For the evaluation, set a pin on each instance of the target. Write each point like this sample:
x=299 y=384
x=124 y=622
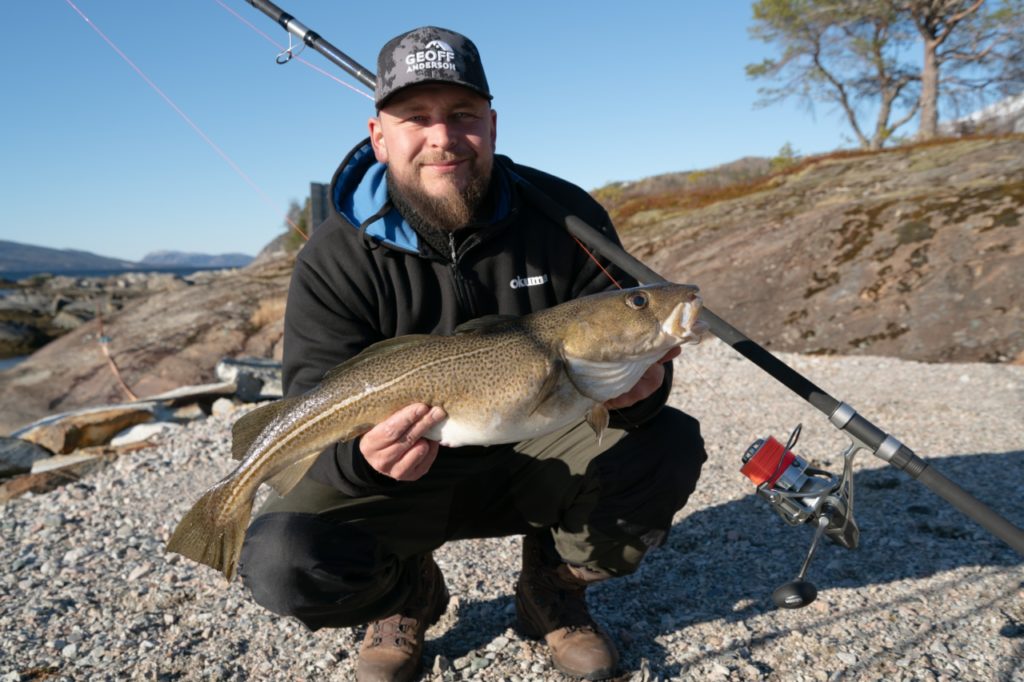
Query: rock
x=78 y=460
x=141 y=433
x=140 y=571
x=249 y=388
x=19 y=338
x=17 y=455
x=441 y=665
x=75 y=430
x=33 y=483
x=223 y=407
x=73 y=556
x=267 y=371
x=68 y=321
x=187 y=413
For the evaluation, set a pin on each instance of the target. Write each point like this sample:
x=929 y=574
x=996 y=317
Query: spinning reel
x=800 y=493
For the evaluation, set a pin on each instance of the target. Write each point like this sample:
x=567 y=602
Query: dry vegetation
x=661 y=195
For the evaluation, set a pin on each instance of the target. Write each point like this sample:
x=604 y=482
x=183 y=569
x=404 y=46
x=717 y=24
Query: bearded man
x=429 y=229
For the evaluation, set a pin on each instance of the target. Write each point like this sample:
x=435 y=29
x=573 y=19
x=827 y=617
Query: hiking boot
x=550 y=603
x=392 y=649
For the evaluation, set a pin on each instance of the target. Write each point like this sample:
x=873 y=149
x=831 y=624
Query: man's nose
x=440 y=135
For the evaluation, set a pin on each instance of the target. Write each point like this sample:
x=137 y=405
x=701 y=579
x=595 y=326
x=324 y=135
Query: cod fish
x=500 y=379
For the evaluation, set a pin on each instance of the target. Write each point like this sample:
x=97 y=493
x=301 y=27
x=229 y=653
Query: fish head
x=641 y=322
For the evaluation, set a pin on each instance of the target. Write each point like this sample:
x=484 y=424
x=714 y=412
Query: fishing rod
x=797 y=492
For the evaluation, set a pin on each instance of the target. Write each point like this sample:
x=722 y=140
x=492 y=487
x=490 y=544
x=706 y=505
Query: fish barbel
x=499 y=379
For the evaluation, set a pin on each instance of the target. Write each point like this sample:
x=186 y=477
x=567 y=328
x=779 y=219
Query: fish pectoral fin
x=248 y=427
x=555 y=371
x=598 y=418
x=283 y=481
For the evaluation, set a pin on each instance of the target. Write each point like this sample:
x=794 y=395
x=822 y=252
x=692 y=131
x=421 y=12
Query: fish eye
x=637 y=301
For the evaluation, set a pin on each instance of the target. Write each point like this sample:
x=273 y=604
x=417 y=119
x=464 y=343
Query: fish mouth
x=684 y=321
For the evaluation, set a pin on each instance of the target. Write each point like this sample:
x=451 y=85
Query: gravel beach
x=87 y=592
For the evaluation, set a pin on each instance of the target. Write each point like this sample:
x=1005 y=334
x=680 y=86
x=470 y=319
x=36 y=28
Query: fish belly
x=455 y=433
x=468 y=427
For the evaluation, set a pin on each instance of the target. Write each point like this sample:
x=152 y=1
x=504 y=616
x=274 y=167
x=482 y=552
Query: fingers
x=396 y=446
x=671 y=355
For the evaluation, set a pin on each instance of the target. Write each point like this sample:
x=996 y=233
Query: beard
x=449 y=212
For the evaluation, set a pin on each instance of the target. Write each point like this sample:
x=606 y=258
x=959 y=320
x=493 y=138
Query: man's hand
x=648 y=384
x=396 y=447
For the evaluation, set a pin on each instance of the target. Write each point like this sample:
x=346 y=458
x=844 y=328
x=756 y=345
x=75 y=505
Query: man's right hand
x=396 y=447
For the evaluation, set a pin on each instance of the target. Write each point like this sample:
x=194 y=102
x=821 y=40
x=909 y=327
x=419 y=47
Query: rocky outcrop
x=170 y=338
x=911 y=252
x=36 y=310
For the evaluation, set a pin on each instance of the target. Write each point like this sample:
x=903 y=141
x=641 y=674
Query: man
x=429 y=230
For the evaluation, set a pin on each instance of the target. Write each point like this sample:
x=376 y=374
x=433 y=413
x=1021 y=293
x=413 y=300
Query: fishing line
x=291 y=53
x=594 y=258
x=220 y=152
x=103 y=339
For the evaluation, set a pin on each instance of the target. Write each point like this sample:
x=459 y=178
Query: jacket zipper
x=463 y=298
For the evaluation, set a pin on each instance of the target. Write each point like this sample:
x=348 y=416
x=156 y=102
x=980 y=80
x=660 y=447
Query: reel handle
x=798 y=592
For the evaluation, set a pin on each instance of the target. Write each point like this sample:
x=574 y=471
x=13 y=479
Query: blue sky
x=94 y=159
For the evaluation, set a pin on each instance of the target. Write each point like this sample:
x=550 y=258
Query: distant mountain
x=180 y=259
x=16 y=257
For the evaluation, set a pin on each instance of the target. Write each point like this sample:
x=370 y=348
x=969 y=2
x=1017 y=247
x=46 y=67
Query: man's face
x=438 y=142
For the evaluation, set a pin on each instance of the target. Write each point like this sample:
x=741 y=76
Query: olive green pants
x=331 y=559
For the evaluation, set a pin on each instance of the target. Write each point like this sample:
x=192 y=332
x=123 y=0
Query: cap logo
x=437 y=55
x=440 y=45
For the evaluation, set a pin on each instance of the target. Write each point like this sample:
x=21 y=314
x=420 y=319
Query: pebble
x=927 y=596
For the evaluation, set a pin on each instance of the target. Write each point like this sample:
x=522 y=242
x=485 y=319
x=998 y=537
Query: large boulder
x=914 y=252
x=17 y=456
x=86 y=428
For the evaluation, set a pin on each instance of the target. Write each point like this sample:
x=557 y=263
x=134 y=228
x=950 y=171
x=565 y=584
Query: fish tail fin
x=210 y=534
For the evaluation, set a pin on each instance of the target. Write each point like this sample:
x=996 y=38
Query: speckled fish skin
x=499 y=381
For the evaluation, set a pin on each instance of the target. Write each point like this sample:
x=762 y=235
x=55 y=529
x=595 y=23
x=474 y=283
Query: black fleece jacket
x=365 y=276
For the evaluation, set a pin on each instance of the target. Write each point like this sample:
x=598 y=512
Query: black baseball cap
x=428 y=55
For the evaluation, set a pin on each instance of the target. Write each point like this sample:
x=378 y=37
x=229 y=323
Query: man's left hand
x=648 y=384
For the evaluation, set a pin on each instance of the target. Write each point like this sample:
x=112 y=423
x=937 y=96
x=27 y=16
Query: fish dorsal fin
x=374 y=350
x=248 y=427
x=555 y=371
x=485 y=322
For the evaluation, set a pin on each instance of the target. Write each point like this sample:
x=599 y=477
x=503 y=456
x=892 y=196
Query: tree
x=296 y=224
x=855 y=54
x=848 y=53
x=978 y=45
